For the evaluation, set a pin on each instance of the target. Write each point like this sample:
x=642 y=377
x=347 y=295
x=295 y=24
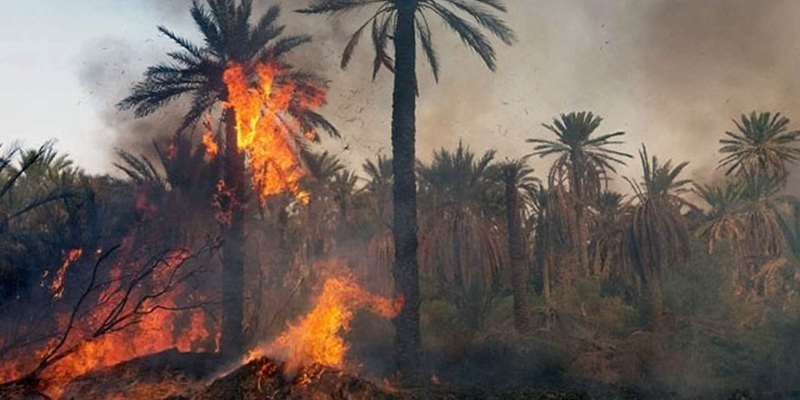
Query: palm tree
x=460 y=248
x=344 y=190
x=230 y=37
x=609 y=241
x=761 y=217
x=381 y=242
x=658 y=233
x=583 y=161
x=323 y=169
x=402 y=21
x=516 y=176
x=763 y=144
x=723 y=222
x=553 y=230
x=44 y=204
x=379 y=183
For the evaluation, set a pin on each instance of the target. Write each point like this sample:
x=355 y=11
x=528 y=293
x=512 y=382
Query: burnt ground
x=194 y=376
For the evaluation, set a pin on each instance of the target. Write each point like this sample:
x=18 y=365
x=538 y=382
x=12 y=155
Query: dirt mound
x=266 y=379
x=169 y=374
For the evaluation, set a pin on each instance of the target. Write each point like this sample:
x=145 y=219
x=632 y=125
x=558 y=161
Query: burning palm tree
x=402 y=21
x=237 y=50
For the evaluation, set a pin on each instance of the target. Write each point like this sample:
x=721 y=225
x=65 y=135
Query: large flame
x=317 y=337
x=265 y=128
x=159 y=330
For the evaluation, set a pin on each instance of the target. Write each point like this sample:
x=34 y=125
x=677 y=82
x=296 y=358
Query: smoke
x=671 y=73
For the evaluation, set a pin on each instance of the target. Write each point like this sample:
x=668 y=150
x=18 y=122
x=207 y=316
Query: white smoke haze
x=670 y=73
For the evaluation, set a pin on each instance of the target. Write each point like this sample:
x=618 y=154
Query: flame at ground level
x=158 y=329
x=316 y=338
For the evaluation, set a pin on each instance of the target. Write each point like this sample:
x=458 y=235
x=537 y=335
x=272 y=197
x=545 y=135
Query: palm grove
x=465 y=230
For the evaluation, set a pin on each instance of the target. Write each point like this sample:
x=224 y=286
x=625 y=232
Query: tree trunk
x=546 y=291
x=583 y=238
x=656 y=307
x=516 y=252
x=232 y=340
x=406 y=269
x=580 y=216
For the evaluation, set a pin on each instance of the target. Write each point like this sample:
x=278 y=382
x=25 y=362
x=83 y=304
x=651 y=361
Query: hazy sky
x=671 y=73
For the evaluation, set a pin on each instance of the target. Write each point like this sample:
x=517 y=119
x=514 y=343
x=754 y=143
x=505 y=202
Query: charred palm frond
x=187 y=170
x=723 y=224
x=763 y=145
x=456 y=15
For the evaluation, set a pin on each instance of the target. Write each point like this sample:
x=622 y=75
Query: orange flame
x=57 y=286
x=263 y=129
x=316 y=338
x=157 y=331
x=212 y=149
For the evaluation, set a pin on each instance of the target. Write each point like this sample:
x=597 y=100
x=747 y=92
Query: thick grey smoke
x=671 y=73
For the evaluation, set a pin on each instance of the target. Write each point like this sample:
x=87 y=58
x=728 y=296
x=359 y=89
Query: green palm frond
x=763 y=144
x=454 y=14
x=583 y=160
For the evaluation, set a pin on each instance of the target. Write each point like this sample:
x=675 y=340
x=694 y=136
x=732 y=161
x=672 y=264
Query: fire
x=263 y=129
x=212 y=149
x=158 y=330
x=57 y=286
x=316 y=338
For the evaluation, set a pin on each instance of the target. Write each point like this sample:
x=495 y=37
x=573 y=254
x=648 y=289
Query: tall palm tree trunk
x=232 y=340
x=406 y=269
x=582 y=234
x=516 y=253
x=656 y=306
x=546 y=264
x=583 y=238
